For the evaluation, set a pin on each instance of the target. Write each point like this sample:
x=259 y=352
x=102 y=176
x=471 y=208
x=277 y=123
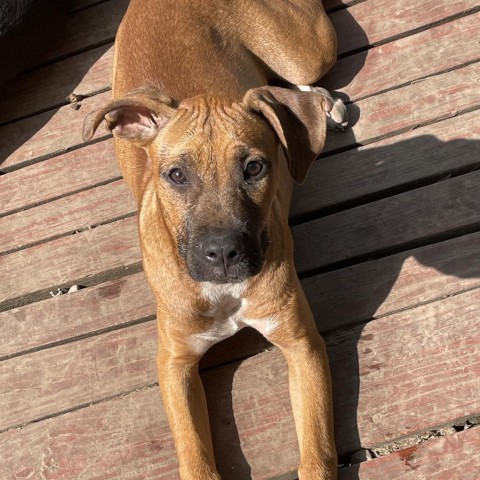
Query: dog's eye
x=253 y=169
x=177 y=177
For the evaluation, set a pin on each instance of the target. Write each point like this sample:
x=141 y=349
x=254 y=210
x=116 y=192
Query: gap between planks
x=451 y=457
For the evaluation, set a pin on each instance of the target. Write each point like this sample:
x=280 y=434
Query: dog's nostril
x=221 y=251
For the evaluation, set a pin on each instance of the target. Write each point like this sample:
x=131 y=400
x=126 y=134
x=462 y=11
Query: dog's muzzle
x=224 y=256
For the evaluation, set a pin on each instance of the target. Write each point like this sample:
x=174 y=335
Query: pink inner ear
x=133 y=123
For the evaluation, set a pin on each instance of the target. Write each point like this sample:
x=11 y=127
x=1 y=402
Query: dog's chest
x=227 y=314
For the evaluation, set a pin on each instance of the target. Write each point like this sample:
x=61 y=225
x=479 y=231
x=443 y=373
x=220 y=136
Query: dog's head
x=215 y=167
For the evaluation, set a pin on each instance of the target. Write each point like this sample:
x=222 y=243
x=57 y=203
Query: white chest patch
x=228 y=316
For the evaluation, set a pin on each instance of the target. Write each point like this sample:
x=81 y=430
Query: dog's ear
x=137 y=117
x=299 y=120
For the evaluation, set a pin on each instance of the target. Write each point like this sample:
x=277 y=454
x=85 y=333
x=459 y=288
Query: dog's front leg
x=311 y=402
x=310 y=391
x=186 y=409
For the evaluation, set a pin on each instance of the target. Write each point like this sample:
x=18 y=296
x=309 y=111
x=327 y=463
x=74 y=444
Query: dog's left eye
x=177 y=176
x=253 y=169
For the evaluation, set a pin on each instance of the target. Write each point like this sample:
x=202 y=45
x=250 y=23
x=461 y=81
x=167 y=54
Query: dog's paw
x=337 y=117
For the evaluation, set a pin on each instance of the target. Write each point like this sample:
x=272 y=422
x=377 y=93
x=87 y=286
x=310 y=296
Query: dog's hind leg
x=295 y=40
x=297 y=43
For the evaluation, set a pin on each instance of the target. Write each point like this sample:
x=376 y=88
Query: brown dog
x=209 y=151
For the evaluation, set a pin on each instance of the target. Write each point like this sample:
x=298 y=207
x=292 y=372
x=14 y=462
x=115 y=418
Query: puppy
x=209 y=150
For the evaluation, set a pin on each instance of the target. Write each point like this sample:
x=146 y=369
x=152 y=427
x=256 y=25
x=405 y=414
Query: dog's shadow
x=233 y=464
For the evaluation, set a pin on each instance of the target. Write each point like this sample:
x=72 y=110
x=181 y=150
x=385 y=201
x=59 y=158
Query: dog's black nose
x=223 y=249
x=223 y=255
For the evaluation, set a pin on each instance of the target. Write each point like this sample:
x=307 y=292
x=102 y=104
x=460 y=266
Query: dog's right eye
x=177 y=177
x=254 y=171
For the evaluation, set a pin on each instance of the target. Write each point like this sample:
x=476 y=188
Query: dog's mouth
x=220 y=256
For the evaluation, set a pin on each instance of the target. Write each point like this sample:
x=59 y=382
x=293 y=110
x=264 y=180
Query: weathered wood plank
x=57 y=319
x=425 y=213
x=409 y=371
x=443 y=347
x=406 y=108
x=92 y=369
x=407 y=59
x=82 y=211
x=68 y=258
x=96 y=443
x=90 y=28
x=375 y=21
x=46 y=134
x=379 y=287
x=103 y=443
x=456 y=456
x=58 y=176
x=48 y=87
x=429 y=152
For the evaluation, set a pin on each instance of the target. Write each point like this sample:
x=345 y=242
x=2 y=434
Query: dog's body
x=202 y=149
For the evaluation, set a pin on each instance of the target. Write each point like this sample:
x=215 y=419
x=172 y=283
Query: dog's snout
x=223 y=255
x=223 y=249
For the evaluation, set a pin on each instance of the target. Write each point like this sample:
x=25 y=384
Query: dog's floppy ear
x=137 y=117
x=299 y=120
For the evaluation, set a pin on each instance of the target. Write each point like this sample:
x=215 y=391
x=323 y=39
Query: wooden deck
x=387 y=232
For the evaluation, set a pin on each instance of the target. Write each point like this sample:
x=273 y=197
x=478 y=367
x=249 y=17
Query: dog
x=210 y=150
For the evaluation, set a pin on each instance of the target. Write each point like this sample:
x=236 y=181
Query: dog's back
x=187 y=48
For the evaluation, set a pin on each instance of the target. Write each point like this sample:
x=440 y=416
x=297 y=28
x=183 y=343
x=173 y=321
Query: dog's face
x=215 y=168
